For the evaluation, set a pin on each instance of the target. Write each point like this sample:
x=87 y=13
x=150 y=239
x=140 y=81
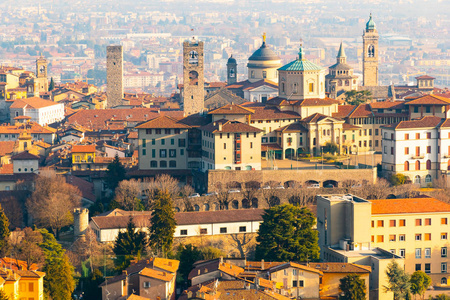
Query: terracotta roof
x=230 y=269
x=429 y=100
x=196 y=120
x=7 y=169
x=267 y=147
x=318 y=102
x=446 y=123
x=31 y=127
x=362 y=110
x=6 y=147
x=83 y=148
x=258 y=265
x=410 y=205
x=335 y=267
x=229 y=126
x=34 y=102
x=223 y=216
x=231 y=109
x=133 y=135
x=111 y=222
x=293 y=127
x=344 y=111
x=387 y=104
x=162 y=122
x=32 y=274
x=217 y=84
x=272 y=113
x=15 y=264
x=170 y=265
x=25 y=156
x=294 y=265
x=425 y=77
x=347 y=126
x=155 y=274
x=425 y=122
x=316 y=117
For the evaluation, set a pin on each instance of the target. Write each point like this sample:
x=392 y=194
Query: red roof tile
x=408 y=206
x=425 y=122
x=34 y=102
x=162 y=122
x=231 y=109
x=429 y=100
x=229 y=126
x=344 y=111
x=83 y=148
x=361 y=111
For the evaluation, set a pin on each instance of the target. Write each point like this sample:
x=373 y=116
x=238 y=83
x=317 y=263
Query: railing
x=420 y=156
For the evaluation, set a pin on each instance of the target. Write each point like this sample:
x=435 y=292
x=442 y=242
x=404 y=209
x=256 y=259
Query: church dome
x=370 y=25
x=231 y=60
x=264 y=53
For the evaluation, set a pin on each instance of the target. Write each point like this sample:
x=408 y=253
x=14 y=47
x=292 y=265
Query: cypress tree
x=4 y=232
x=163 y=223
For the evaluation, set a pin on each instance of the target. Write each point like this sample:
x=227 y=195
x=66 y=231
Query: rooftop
x=410 y=205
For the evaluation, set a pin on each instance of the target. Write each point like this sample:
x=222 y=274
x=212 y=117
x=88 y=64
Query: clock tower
x=193 y=77
x=370 y=54
x=231 y=70
x=41 y=75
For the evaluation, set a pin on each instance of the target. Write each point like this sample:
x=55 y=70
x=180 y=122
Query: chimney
x=220 y=126
x=221 y=259
x=262 y=264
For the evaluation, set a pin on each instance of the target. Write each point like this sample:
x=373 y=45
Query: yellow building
x=82 y=155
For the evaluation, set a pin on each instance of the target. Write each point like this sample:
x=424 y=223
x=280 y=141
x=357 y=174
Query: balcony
x=447 y=155
x=418 y=156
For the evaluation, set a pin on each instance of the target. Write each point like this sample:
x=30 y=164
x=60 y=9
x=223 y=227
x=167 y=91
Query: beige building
x=263 y=64
x=162 y=144
x=370 y=54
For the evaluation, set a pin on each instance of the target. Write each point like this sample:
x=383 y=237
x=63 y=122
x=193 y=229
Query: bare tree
x=241 y=241
x=406 y=191
x=53 y=201
x=185 y=192
x=222 y=196
x=270 y=193
x=87 y=247
x=249 y=189
x=25 y=246
x=299 y=195
x=162 y=182
x=127 y=194
x=379 y=190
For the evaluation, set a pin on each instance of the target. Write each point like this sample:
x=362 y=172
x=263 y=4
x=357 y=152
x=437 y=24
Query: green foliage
x=90 y=286
x=399 y=283
x=58 y=281
x=357 y=97
x=3 y=295
x=419 y=283
x=330 y=147
x=4 y=232
x=187 y=255
x=398 y=179
x=287 y=234
x=442 y=297
x=128 y=244
x=115 y=173
x=163 y=223
x=211 y=253
x=352 y=287
x=51 y=87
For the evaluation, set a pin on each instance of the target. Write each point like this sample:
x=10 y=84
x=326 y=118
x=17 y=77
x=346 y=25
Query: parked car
x=280 y=187
x=328 y=186
x=313 y=186
x=264 y=188
x=194 y=195
x=211 y=194
x=234 y=191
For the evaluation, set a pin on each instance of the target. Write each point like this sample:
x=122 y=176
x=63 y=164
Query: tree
x=115 y=173
x=287 y=234
x=26 y=246
x=241 y=242
x=4 y=233
x=87 y=247
x=128 y=244
x=127 y=195
x=187 y=255
x=58 y=281
x=300 y=196
x=357 y=97
x=353 y=287
x=211 y=252
x=270 y=192
x=163 y=223
x=3 y=295
x=51 y=86
x=185 y=192
x=398 y=179
x=399 y=283
x=91 y=290
x=330 y=147
x=419 y=283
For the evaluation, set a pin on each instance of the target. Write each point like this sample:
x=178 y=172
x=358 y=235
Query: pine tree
x=128 y=244
x=115 y=173
x=58 y=281
x=51 y=87
x=352 y=287
x=4 y=232
x=399 y=283
x=163 y=223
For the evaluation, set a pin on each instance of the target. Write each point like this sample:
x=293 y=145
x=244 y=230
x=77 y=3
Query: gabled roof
x=337 y=267
x=296 y=266
x=229 y=126
x=83 y=148
x=6 y=147
x=343 y=111
x=425 y=77
x=163 y=122
x=231 y=109
x=293 y=127
x=33 y=102
x=446 y=124
x=425 y=122
x=408 y=206
x=223 y=216
x=155 y=274
x=361 y=111
x=25 y=156
x=221 y=97
x=316 y=117
x=429 y=100
x=272 y=113
x=387 y=105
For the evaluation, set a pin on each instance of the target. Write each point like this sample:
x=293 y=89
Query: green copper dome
x=300 y=64
x=370 y=24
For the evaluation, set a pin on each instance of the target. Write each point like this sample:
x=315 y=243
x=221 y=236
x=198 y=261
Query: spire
x=341 y=58
x=341 y=52
x=370 y=25
x=301 y=54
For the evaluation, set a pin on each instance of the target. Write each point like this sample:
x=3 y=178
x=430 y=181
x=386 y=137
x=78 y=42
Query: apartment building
x=419 y=149
x=41 y=111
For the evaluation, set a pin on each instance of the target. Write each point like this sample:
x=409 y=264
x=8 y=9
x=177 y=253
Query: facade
x=43 y=112
x=41 y=75
x=193 y=77
x=418 y=149
x=340 y=78
x=263 y=64
x=370 y=54
x=36 y=132
x=231 y=70
x=114 y=75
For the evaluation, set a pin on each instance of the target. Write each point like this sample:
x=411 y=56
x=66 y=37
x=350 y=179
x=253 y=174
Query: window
x=153 y=164
x=392 y=238
x=158 y=131
x=223 y=230
x=167 y=131
x=427 y=221
x=144 y=151
x=31 y=287
x=242 y=228
x=372 y=239
x=172 y=164
x=418 y=253
x=392 y=223
x=311 y=87
x=428 y=135
x=153 y=153
x=203 y=231
x=406 y=136
x=444 y=267
x=428 y=149
x=172 y=153
x=427 y=252
x=183 y=232
x=300 y=283
x=380 y=223
x=373 y=223
x=443 y=221
x=294 y=283
x=172 y=141
x=427 y=236
x=162 y=153
x=153 y=141
x=163 y=164
x=264 y=73
x=146 y=284
x=418 y=222
x=418 y=267
x=401 y=237
x=427 y=268
x=443 y=235
x=417 y=136
x=181 y=142
x=392 y=251
x=144 y=143
x=380 y=238
x=224 y=145
x=427 y=109
x=444 y=252
x=418 y=237
x=181 y=151
x=406 y=150
x=406 y=167
x=401 y=252
x=402 y=223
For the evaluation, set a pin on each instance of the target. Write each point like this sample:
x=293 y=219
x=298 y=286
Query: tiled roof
x=347 y=126
x=111 y=222
x=408 y=206
x=425 y=122
x=230 y=269
x=318 y=102
x=34 y=102
x=6 y=147
x=295 y=265
x=163 y=122
x=170 y=265
x=335 y=267
x=196 y=120
x=316 y=117
x=83 y=148
x=86 y=187
x=387 y=105
x=429 y=100
x=231 y=109
x=25 y=156
x=361 y=111
x=425 y=77
x=267 y=147
x=133 y=135
x=229 y=126
x=272 y=113
x=15 y=264
x=220 y=98
x=446 y=123
x=155 y=274
x=31 y=127
x=343 y=111
x=293 y=127
x=223 y=216
x=7 y=169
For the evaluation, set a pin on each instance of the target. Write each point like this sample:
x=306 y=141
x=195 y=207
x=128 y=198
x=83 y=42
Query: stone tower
x=370 y=54
x=231 y=70
x=80 y=221
x=193 y=77
x=41 y=79
x=114 y=75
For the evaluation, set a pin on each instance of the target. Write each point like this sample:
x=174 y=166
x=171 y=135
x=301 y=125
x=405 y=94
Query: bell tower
x=41 y=75
x=370 y=54
x=231 y=70
x=193 y=77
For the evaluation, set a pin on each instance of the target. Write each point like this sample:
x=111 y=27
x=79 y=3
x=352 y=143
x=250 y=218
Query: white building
x=419 y=149
x=41 y=111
